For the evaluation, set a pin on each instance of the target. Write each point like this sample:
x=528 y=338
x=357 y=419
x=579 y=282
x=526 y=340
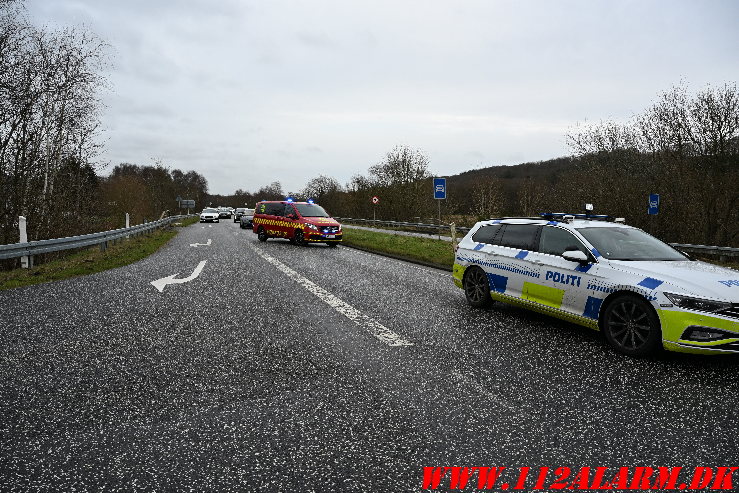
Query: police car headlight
x=697 y=304
x=313 y=227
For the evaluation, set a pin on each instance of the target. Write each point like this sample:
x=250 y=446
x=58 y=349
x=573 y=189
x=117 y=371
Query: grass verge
x=89 y=261
x=186 y=222
x=436 y=253
x=426 y=250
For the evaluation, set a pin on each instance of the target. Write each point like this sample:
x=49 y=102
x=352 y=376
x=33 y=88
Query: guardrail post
x=25 y=261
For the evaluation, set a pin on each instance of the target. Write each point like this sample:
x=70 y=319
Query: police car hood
x=321 y=221
x=685 y=277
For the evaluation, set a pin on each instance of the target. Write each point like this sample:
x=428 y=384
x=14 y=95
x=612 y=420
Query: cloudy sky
x=247 y=92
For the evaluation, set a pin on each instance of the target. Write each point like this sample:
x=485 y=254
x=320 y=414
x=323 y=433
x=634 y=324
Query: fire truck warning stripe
x=374 y=327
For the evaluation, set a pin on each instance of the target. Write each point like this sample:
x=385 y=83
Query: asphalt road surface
x=286 y=368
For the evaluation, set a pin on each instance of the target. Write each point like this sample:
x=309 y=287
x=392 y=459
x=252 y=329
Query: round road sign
x=375 y=200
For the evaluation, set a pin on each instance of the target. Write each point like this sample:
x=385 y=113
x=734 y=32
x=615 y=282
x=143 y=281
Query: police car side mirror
x=576 y=256
x=290 y=216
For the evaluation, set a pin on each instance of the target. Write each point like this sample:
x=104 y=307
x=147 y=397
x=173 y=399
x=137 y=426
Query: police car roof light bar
x=587 y=217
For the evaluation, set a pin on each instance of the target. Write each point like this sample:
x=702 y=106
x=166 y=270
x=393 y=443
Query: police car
x=598 y=272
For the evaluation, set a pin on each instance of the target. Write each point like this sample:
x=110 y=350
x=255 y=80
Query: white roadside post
x=23 y=239
x=128 y=222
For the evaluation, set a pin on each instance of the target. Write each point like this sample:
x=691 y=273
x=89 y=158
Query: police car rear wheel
x=631 y=326
x=299 y=238
x=477 y=288
x=262 y=234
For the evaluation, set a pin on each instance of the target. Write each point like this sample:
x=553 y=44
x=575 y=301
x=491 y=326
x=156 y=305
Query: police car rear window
x=556 y=241
x=486 y=234
x=519 y=236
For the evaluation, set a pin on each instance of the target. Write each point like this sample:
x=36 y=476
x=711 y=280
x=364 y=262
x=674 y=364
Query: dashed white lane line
x=373 y=326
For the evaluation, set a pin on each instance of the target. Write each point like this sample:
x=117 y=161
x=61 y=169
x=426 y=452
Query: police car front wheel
x=631 y=326
x=477 y=288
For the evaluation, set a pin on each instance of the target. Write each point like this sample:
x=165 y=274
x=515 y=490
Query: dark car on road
x=246 y=219
x=238 y=212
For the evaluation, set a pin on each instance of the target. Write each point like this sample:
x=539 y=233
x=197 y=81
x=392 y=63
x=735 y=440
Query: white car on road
x=642 y=293
x=209 y=215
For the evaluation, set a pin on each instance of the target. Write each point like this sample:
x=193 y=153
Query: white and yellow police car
x=598 y=272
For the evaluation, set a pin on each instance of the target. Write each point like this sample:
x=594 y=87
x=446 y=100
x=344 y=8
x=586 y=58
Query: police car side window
x=556 y=241
x=519 y=236
x=486 y=234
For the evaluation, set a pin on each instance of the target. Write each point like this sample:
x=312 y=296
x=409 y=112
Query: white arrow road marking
x=201 y=244
x=160 y=283
x=373 y=326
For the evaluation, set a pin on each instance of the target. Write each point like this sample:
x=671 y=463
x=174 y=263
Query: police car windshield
x=629 y=244
x=311 y=210
x=210 y=210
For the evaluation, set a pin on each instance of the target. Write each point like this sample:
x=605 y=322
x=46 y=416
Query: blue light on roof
x=289 y=199
x=552 y=215
x=310 y=201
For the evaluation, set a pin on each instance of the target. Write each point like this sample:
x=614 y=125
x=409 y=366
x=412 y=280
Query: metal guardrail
x=401 y=224
x=32 y=248
x=722 y=252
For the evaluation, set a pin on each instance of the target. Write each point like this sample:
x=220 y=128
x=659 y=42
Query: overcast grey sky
x=249 y=92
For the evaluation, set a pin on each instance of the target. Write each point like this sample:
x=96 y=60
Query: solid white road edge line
x=161 y=283
x=374 y=327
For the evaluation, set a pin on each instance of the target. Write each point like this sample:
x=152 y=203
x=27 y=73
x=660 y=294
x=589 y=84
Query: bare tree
x=49 y=121
x=685 y=148
x=530 y=197
x=273 y=191
x=487 y=198
x=401 y=178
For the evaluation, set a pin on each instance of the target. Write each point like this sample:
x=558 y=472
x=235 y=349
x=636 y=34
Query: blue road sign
x=653 y=204
x=439 y=188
